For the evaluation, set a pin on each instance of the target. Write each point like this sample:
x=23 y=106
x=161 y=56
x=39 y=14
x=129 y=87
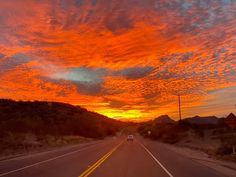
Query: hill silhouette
x=53 y=118
x=166 y=129
x=164 y=119
x=211 y=120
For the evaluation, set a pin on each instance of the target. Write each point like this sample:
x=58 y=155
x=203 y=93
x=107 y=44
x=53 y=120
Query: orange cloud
x=125 y=59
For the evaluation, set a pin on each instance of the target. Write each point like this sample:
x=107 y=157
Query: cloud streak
x=126 y=59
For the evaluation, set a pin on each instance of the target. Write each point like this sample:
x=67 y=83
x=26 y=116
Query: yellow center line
x=99 y=162
x=85 y=173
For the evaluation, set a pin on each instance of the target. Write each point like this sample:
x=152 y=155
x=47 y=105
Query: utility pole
x=179 y=108
x=234 y=147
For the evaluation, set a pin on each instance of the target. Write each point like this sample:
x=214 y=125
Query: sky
x=126 y=59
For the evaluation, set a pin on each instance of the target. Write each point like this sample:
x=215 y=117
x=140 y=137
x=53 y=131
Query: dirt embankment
x=216 y=141
x=21 y=144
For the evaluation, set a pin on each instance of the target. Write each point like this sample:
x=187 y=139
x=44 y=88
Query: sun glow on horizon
x=122 y=114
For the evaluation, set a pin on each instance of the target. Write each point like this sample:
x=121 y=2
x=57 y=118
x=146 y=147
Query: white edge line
x=41 y=162
x=159 y=163
x=35 y=154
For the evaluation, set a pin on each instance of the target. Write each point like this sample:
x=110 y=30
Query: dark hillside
x=52 y=118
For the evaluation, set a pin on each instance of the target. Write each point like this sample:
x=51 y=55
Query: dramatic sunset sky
x=126 y=59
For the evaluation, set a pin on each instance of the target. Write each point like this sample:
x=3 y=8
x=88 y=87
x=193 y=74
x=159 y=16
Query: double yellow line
x=99 y=162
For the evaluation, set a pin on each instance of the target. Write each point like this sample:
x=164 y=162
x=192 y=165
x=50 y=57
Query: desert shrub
x=168 y=133
x=224 y=150
x=199 y=132
x=171 y=138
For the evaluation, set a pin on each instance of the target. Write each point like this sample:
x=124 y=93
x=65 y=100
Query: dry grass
x=16 y=144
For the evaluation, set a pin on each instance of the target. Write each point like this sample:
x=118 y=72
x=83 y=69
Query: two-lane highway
x=113 y=157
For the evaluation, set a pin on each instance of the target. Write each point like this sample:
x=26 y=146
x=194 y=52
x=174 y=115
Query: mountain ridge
x=54 y=118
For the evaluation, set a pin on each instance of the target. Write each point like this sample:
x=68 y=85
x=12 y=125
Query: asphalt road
x=113 y=157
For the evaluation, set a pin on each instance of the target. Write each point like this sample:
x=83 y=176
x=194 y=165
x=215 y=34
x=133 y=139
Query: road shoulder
x=224 y=167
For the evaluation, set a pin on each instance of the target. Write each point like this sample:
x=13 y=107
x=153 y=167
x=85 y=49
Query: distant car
x=130 y=138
